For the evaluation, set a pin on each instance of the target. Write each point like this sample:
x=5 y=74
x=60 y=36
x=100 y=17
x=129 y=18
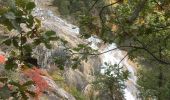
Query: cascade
x=64 y=29
x=114 y=57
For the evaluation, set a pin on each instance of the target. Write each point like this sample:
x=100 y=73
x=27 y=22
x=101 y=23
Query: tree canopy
x=141 y=27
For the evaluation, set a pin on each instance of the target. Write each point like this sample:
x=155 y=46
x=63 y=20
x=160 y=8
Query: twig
x=94 y=4
x=103 y=8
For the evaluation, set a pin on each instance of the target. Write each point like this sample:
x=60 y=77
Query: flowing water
x=115 y=57
x=69 y=31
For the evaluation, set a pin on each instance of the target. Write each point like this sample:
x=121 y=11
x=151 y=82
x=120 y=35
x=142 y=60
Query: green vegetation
x=14 y=14
x=74 y=8
x=17 y=15
x=112 y=82
x=59 y=79
x=141 y=27
x=154 y=83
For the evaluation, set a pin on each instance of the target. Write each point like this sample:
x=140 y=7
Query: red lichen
x=40 y=83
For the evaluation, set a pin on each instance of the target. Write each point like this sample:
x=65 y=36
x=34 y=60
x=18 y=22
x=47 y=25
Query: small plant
x=112 y=81
x=40 y=83
x=16 y=90
x=59 y=79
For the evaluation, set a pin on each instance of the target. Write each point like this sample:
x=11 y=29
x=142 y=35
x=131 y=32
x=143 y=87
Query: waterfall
x=69 y=31
x=114 y=57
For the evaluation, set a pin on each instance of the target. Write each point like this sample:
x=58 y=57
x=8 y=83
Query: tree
x=142 y=29
x=16 y=15
x=111 y=82
x=152 y=85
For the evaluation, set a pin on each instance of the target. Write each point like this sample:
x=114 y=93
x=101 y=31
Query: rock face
x=56 y=93
x=79 y=78
x=75 y=78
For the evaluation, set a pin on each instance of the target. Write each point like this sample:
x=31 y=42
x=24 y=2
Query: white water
x=114 y=57
x=51 y=21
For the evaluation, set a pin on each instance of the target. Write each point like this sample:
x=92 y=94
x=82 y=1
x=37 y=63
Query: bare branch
x=124 y=57
x=103 y=8
x=134 y=47
x=94 y=5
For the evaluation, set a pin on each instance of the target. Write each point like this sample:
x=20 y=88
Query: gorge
x=84 y=49
x=71 y=32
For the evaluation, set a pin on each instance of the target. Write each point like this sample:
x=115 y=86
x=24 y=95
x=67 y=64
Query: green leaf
x=15 y=42
x=60 y=62
x=7 y=42
x=10 y=15
x=15 y=84
x=28 y=83
x=38 y=23
x=6 y=23
x=3 y=79
x=30 y=6
x=37 y=42
x=30 y=21
x=50 y=33
x=10 y=64
x=24 y=96
x=5 y=93
x=21 y=3
x=61 y=67
x=47 y=45
x=13 y=53
x=27 y=48
x=53 y=38
x=3 y=10
x=31 y=93
x=76 y=49
x=81 y=45
x=75 y=65
x=63 y=41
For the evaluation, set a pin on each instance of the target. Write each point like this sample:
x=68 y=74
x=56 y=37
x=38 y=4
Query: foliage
x=15 y=89
x=112 y=81
x=142 y=28
x=71 y=7
x=73 y=56
x=152 y=86
x=76 y=93
x=59 y=79
x=149 y=32
x=17 y=15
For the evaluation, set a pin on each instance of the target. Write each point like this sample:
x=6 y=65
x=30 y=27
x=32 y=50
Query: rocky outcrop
x=75 y=78
x=56 y=92
x=79 y=78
